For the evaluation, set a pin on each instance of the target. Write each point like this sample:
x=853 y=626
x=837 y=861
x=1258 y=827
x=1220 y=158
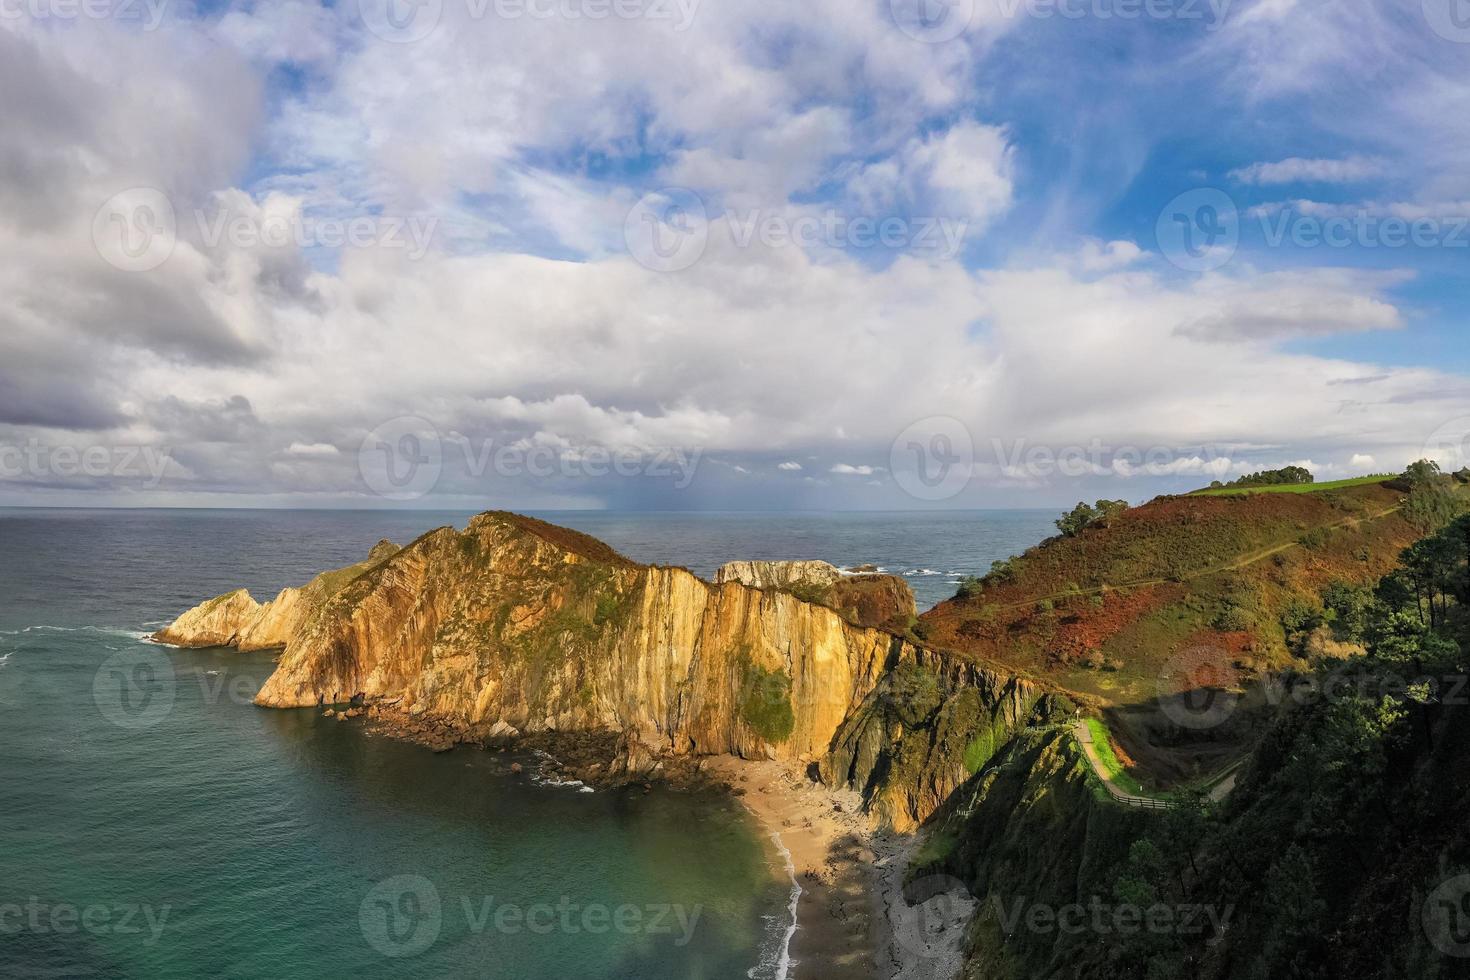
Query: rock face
x=930 y=724
x=862 y=599
x=517 y=626
x=237 y=620
x=777 y=574
x=216 y=623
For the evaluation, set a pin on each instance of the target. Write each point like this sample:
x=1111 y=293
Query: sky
x=726 y=254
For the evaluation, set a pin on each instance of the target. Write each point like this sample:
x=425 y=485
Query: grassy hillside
x=1201 y=592
x=1343 y=850
x=1358 y=481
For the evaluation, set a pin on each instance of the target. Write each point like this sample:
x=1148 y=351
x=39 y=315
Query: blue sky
x=281 y=246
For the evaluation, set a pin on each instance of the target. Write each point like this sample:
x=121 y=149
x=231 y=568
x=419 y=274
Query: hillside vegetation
x=1343 y=850
x=1200 y=592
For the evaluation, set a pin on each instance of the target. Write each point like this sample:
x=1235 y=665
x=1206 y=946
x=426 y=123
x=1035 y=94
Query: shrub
x=1315 y=539
x=1234 y=619
x=607 y=609
x=765 y=704
x=970 y=586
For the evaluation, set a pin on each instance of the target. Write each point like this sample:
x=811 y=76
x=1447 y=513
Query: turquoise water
x=157 y=825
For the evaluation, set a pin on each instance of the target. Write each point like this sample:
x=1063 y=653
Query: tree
x=1285 y=476
x=1081 y=517
x=1432 y=502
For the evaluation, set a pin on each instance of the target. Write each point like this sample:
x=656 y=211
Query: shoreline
x=852 y=920
x=828 y=850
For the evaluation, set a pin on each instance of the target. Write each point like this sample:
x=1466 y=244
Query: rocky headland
x=518 y=633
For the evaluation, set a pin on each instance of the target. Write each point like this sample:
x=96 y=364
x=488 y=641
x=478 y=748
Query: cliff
x=237 y=620
x=864 y=599
x=517 y=626
x=777 y=574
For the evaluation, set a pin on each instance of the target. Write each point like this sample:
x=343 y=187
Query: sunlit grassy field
x=1357 y=481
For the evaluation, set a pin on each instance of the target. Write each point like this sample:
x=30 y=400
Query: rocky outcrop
x=516 y=628
x=517 y=624
x=864 y=599
x=931 y=723
x=237 y=620
x=216 y=623
x=777 y=574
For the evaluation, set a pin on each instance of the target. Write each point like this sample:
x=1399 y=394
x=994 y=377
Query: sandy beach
x=852 y=920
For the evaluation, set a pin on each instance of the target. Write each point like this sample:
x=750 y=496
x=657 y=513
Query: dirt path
x=1089 y=749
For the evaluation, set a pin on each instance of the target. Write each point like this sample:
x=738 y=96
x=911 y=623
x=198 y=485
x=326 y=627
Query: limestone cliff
x=777 y=574
x=215 y=623
x=865 y=599
x=517 y=627
x=237 y=620
x=516 y=624
x=931 y=723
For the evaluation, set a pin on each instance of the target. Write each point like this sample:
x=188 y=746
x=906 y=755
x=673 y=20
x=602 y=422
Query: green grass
x=1102 y=743
x=1357 y=481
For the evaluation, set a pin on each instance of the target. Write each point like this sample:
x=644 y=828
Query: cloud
x=1298 y=170
x=845 y=469
x=789 y=466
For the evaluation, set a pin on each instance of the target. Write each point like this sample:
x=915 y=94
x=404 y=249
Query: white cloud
x=1299 y=170
x=789 y=466
x=1362 y=460
x=846 y=469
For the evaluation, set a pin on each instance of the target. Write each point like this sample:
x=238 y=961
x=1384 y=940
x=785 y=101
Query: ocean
x=155 y=824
